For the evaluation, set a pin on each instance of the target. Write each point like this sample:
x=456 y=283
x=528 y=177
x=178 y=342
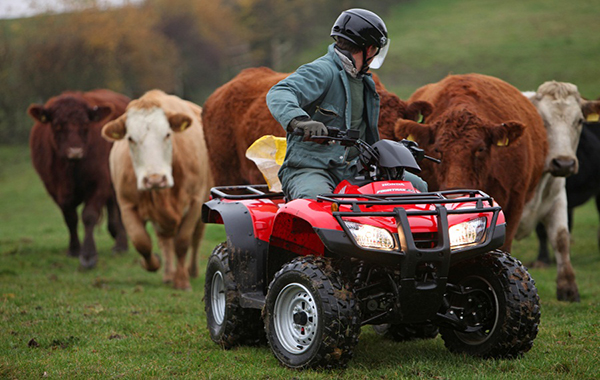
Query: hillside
x=522 y=42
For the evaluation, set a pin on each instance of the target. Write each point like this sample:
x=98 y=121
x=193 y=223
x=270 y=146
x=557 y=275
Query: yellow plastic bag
x=268 y=153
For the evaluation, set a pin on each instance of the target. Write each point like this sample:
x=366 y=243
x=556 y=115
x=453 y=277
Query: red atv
x=311 y=272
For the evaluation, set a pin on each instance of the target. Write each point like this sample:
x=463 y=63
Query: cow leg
x=182 y=243
x=136 y=229
x=167 y=248
x=70 y=216
x=115 y=226
x=557 y=226
x=543 y=259
x=196 y=240
x=598 y=208
x=90 y=215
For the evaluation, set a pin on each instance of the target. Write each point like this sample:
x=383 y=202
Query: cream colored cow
x=159 y=166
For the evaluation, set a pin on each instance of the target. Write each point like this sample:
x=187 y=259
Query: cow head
x=463 y=142
x=70 y=120
x=148 y=130
x=562 y=110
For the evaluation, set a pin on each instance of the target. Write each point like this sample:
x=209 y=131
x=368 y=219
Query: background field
x=118 y=321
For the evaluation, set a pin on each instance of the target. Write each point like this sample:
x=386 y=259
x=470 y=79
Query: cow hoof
x=73 y=252
x=88 y=262
x=119 y=250
x=182 y=285
x=153 y=264
x=193 y=271
x=570 y=294
x=539 y=264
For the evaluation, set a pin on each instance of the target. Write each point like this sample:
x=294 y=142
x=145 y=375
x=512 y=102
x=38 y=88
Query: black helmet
x=361 y=27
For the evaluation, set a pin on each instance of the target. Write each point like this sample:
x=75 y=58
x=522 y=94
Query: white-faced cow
x=71 y=158
x=560 y=106
x=160 y=169
x=563 y=111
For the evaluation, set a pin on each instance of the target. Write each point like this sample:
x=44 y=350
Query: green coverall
x=322 y=91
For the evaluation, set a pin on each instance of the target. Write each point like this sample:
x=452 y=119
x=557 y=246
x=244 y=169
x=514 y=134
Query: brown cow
x=236 y=115
x=159 y=168
x=71 y=158
x=488 y=136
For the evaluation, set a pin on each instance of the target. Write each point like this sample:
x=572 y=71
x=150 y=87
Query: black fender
x=248 y=253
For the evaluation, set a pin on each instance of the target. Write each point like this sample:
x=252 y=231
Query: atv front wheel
x=498 y=301
x=228 y=323
x=311 y=319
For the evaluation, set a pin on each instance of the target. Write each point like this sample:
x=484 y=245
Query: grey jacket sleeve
x=290 y=97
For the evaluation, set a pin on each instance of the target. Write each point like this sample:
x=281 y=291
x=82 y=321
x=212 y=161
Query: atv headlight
x=371 y=237
x=466 y=233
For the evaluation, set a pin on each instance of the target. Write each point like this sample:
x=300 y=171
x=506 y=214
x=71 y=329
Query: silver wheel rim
x=217 y=299
x=295 y=318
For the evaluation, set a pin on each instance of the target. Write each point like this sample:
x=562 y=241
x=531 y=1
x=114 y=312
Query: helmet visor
x=380 y=57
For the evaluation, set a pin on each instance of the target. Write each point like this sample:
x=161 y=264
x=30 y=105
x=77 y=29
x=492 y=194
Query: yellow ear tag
x=503 y=143
x=410 y=138
x=116 y=135
x=420 y=118
x=593 y=117
x=43 y=119
x=184 y=125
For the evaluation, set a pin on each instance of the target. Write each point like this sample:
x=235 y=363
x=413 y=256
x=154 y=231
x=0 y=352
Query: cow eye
x=130 y=140
x=168 y=135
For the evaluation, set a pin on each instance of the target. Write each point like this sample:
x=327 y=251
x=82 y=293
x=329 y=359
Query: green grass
x=524 y=43
x=120 y=321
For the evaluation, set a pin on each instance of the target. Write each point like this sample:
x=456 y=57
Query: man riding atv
x=335 y=90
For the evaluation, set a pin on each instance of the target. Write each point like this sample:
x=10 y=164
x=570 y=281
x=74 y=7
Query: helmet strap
x=365 y=65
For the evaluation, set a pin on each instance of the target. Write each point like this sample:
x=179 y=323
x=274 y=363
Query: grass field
x=118 y=321
x=524 y=43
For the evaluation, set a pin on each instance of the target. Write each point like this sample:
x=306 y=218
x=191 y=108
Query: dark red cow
x=488 y=136
x=71 y=158
x=236 y=115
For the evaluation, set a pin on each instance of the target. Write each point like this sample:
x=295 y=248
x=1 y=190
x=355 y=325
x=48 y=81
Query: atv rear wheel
x=500 y=298
x=311 y=318
x=406 y=332
x=228 y=323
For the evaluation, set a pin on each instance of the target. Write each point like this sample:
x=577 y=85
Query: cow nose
x=155 y=181
x=562 y=167
x=75 y=153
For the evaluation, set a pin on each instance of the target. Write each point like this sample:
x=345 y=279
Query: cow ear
x=39 y=113
x=115 y=130
x=591 y=110
x=99 y=113
x=179 y=122
x=411 y=130
x=532 y=96
x=418 y=111
x=506 y=133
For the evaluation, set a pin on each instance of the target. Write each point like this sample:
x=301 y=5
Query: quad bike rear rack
x=241 y=192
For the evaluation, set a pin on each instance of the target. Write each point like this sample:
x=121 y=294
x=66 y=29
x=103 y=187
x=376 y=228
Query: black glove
x=310 y=127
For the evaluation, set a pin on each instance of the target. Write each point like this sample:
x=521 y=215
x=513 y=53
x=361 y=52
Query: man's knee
x=416 y=181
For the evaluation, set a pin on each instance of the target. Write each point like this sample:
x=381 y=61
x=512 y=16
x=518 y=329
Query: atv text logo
x=397 y=188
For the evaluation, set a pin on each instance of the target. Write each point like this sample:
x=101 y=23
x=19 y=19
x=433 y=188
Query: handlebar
x=350 y=137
